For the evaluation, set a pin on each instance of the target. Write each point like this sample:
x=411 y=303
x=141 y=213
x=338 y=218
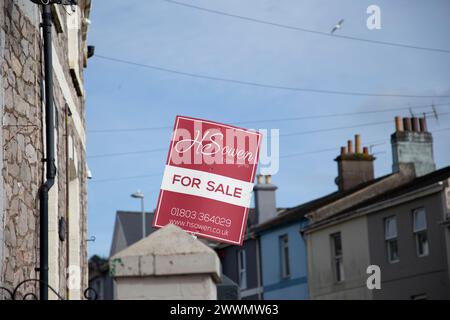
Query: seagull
x=337 y=26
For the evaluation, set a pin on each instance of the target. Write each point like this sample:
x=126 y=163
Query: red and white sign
x=208 y=179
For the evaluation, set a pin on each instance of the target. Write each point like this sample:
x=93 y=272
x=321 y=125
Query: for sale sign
x=208 y=179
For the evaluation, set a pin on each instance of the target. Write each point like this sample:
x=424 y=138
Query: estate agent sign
x=208 y=179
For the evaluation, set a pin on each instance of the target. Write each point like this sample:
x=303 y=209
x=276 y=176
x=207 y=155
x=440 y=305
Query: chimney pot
x=350 y=146
x=413 y=148
x=398 y=124
x=268 y=179
x=415 y=124
x=407 y=124
x=354 y=169
x=423 y=124
x=366 y=151
x=357 y=143
x=260 y=178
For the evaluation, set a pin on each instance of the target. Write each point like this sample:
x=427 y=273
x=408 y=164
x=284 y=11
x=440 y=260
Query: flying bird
x=337 y=26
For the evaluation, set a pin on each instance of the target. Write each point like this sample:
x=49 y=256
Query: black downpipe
x=50 y=152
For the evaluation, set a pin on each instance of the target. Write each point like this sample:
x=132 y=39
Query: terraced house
x=24 y=158
x=398 y=222
x=322 y=249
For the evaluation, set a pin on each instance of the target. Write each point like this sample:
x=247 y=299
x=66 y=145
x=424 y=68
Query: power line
x=346 y=127
x=321 y=33
x=107 y=155
x=281 y=157
x=441 y=130
x=335 y=128
x=159 y=174
x=292 y=155
x=129 y=129
x=264 y=85
x=126 y=178
x=322 y=116
x=334 y=115
x=117 y=154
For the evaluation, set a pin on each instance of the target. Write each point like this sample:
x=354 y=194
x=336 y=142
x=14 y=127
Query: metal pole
x=143 y=219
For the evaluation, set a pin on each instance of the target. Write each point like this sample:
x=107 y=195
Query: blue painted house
x=282 y=249
x=283 y=260
x=271 y=264
x=283 y=256
x=274 y=252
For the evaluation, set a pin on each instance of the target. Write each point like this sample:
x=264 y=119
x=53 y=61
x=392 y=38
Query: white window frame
x=337 y=259
x=74 y=49
x=242 y=268
x=57 y=18
x=284 y=257
x=419 y=231
x=390 y=239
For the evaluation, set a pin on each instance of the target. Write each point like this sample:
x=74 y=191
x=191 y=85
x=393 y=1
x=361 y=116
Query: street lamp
x=140 y=195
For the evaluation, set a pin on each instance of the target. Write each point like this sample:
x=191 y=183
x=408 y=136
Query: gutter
x=338 y=218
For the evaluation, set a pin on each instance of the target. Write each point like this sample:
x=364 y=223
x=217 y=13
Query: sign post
x=208 y=179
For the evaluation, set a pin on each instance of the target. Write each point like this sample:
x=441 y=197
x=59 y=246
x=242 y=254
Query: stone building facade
x=23 y=137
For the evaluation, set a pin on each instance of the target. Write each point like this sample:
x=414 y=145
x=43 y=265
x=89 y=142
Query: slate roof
x=130 y=225
x=418 y=183
x=298 y=212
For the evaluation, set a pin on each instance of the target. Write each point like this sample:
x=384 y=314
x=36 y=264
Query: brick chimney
x=265 y=204
x=355 y=166
x=412 y=143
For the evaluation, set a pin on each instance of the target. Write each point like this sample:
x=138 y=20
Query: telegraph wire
x=335 y=128
x=441 y=130
x=129 y=129
x=107 y=155
x=333 y=115
x=321 y=33
x=347 y=127
x=117 y=154
x=127 y=178
x=292 y=155
x=323 y=116
x=263 y=85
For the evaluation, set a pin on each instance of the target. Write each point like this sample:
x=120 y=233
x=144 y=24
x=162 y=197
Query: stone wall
x=22 y=147
x=22 y=135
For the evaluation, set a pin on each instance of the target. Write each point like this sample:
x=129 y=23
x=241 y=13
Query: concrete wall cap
x=168 y=251
x=169 y=240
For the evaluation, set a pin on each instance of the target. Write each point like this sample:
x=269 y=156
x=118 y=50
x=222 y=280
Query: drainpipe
x=258 y=268
x=67 y=115
x=50 y=152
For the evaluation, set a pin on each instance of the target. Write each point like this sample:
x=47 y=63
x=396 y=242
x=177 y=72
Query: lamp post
x=140 y=195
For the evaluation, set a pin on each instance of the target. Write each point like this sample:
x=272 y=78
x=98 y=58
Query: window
x=73 y=46
x=284 y=256
x=242 y=269
x=390 y=236
x=57 y=19
x=420 y=232
x=337 y=258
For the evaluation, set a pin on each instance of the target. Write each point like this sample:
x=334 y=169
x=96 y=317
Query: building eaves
x=421 y=184
x=300 y=211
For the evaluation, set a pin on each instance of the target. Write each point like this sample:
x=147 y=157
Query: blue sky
x=163 y=34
